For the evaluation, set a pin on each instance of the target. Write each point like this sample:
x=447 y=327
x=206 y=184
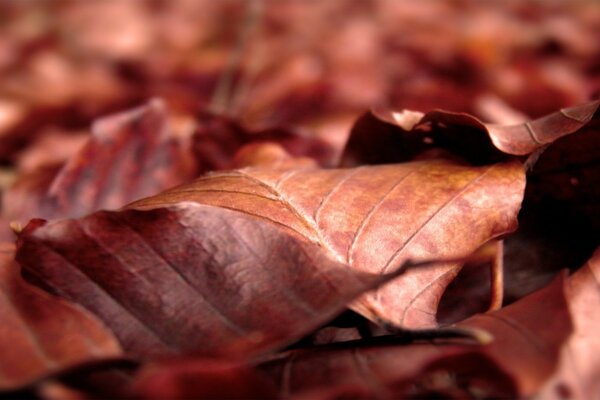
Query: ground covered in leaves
x=305 y=200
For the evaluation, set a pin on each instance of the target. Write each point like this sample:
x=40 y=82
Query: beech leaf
x=196 y=378
x=579 y=367
x=129 y=155
x=40 y=333
x=385 y=136
x=218 y=138
x=523 y=354
x=375 y=218
x=183 y=277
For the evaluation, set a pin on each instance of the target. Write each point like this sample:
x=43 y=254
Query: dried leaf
x=567 y=173
x=218 y=139
x=516 y=363
x=129 y=156
x=191 y=277
x=40 y=333
x=384 y=136
x=579 y=368
x=269 y=154
x=201 y=379
x=559 y=221
x=375 y=218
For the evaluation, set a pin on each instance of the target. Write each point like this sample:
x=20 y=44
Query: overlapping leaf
x=191 y=277
x=384 y=136
x=577 y=374
x=202 y=379
x=40 y=333
x=217 y=139
x=523 y=354
x=130 y=155
x=375 y=218
x=561 y=178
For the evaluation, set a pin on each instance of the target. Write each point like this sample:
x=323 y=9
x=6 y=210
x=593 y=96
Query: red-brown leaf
x=559 y=221
x=129 y=155
x=523 y=355
x=40 y=333
x=384 y=136
x=201 y=379
x=217 y=139
x=375 y=218
x=191 y=277
x=579 y=368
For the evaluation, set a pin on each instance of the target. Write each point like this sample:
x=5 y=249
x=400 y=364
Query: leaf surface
x=129 y=155
x=198 y=378
x=523 y=354
x=40 y=333
x=579 y=368
x=375 y=218
x=191 y=277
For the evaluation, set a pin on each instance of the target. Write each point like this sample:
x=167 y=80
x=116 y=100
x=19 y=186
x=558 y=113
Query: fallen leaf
x=384 y=136
x=523 y=354
x=559 y=220
x=217 y=140
x=54 y=147
x=310 y=69
x=375 y=218
x=183 y=277
x=40 y=333
x=559 y=225
x=130 y=155
x=269 y=154
x=579 y=367
x=201 y=379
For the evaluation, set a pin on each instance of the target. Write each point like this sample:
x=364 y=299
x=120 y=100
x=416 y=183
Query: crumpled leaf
x=183 y=277
x=559 y=221
x=561 y=181
x=384 y=136
x=579 y=367
x=568 y=172
x=40 y=333
x=129 y=155
x=516 y=363
x=375 y=218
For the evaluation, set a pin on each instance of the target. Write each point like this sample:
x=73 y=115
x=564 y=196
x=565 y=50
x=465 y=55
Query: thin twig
x=223 y=94
x=497 y=277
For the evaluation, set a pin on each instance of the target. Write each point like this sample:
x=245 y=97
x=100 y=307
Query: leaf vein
x=238 y=330
x=113 y=299
x=531 y=132
x=421 y=292
x=370 y=214
x=432 y=216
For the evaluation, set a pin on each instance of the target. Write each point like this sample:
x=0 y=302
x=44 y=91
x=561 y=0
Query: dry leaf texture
x=40 y=333
x=524 y=351
x=184 y=277
x=129 y=155
x=375 y=218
